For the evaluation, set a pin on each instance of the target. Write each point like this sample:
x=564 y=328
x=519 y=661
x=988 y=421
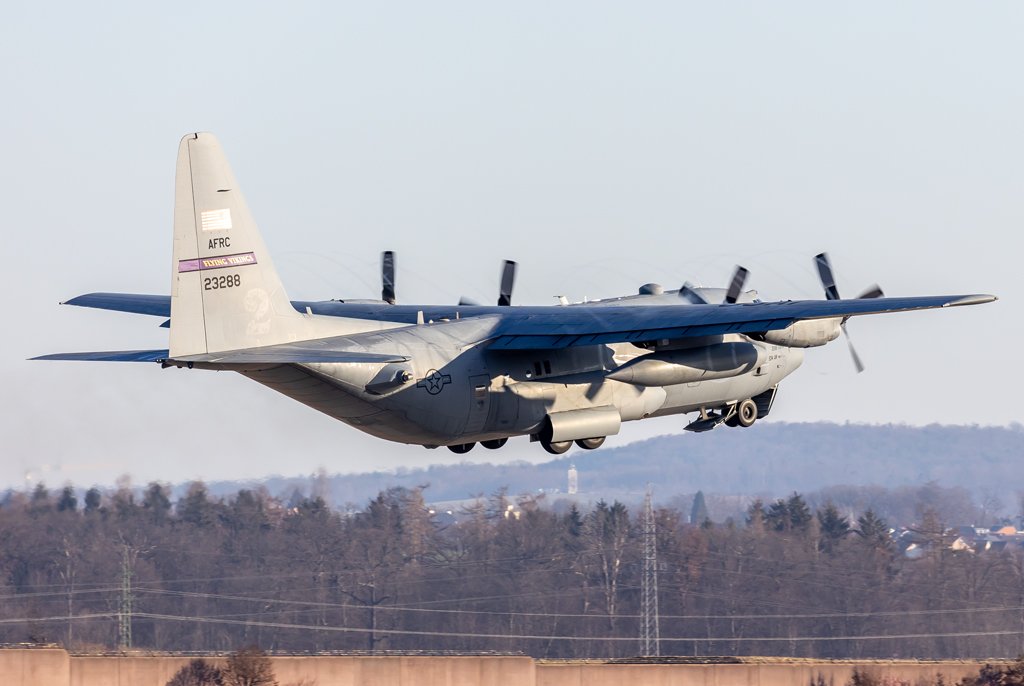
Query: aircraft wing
x=579 y=326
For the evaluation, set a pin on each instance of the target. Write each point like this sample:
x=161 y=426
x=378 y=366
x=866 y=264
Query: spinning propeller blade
x=508 y=280
x=739 y=277
x=872 y=292
x=687 y=293
x=387 y=273
x=828 y=282
x=853 y=352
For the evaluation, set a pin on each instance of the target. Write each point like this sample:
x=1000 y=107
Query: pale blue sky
x=603 y=145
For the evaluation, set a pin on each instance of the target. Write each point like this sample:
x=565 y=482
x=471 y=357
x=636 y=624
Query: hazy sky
x=602 y=145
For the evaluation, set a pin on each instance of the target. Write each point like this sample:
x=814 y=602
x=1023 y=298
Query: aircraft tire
x=461 y=448
x=732 y=421
x=556 y=448
x=590 y=443
x=494 y=444
x=746 y=413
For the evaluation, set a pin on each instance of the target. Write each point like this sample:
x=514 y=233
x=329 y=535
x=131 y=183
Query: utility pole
x=650 y=639
x=124 y=609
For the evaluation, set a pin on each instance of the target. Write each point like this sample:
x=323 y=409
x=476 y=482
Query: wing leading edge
x=590 y=326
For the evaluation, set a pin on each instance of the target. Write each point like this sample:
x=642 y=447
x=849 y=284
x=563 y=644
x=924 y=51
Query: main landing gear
x=463 y=448
x=559 y=447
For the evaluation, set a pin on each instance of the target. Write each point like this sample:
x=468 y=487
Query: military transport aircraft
x=457 y=375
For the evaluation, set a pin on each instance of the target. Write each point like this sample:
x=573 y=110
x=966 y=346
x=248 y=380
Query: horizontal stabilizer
x=110 y=356
x=291 y=354
x=275 y=354
x=157 y=305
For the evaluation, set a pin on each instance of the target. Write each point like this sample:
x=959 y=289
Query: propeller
x=739 y=278
x=387 y=274
x=828 y=282
x=508 y=280
x=687 y=293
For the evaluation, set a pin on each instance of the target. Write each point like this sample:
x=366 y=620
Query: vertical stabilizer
x=225 y=293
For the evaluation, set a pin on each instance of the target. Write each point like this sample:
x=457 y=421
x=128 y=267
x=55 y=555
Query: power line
x=549 y=637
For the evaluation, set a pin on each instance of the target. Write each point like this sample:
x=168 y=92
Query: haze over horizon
x=600 y=146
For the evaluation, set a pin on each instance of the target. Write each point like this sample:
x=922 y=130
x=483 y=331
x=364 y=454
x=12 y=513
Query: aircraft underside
x=555 y=399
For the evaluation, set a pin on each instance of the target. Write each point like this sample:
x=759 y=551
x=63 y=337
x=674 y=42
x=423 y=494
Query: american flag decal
x=215 y=220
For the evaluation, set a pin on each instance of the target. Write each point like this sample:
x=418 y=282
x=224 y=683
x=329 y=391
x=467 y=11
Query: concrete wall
x=779 y=674
x=54 y=667
x=43 y=666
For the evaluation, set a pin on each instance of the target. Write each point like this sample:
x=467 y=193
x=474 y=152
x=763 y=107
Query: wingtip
x=977 y=299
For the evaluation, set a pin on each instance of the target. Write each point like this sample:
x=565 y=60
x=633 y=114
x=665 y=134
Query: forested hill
x=769 y=458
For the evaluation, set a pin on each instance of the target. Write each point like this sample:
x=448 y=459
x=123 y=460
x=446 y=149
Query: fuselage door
x=480 y=394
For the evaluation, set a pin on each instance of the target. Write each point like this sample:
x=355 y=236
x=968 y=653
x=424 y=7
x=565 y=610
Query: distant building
x=573 y=480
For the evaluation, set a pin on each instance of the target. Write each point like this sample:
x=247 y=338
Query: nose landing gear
x=744 y=415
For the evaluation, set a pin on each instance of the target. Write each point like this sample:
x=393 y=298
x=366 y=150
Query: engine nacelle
x=591 y=422
x=669 y=367
x=809 y=333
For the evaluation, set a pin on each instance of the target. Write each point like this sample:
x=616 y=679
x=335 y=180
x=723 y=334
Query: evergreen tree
x=196 y=508
x=699 y=511
x=40 y=501
x=156 y=502
x=67 y=501
x=833 y=527
x=93 y=499
x=799 y=513
x=873 y=530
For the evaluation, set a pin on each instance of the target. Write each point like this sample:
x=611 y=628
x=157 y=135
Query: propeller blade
x=468 y=302
x=508 y=280
x=872 y=292
x=687 y=293
x=739 y=277
x=387 y=273
x=853 y=352
x=828 y=281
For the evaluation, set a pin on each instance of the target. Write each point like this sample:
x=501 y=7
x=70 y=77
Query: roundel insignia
x=434 y=381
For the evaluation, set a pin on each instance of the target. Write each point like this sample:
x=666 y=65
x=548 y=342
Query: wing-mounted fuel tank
x=809 y=333
x=669 y=367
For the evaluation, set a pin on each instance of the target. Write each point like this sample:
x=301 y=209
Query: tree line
x=504 y=574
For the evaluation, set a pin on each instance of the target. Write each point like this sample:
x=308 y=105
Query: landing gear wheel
x=556 y=448
x=590 y=443
x=461 y=448
x=732 y=420
x=494 y=444
x=746 y=413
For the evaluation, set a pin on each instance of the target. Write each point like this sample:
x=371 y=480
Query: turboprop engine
x=809 y=333
x=668 y=367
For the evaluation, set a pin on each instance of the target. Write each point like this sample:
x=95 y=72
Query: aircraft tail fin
x=225 y=292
